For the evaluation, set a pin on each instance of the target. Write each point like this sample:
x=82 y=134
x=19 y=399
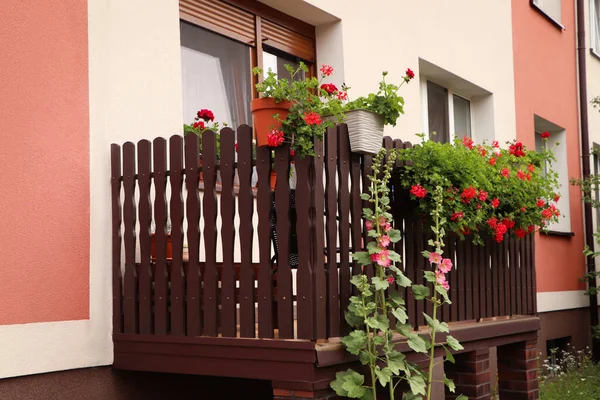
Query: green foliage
x=471 y=185
x=386 y=102
x=199 y=126
x=569 y=375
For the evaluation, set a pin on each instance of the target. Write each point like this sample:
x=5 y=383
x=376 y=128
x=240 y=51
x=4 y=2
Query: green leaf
x=394 y=256
x=384 y=375
x=430 y=276
x=395 y=361
x=420 y=292
x=444 y=293
x=450 y=384
x=380 y=284
x=410 y=396
x=417 y=384
x=373 y=247
x=394 y=235
x=404 y=329
x=380 y=322
x=362 y=257
x=449 y=356
x=462 y=397
x=453 y=343
x=400 y=314
x=364 y=357
x=373 y=233
x=365 y=196
x=355 y=341
x=402 y=280
x=436 y=324
x=416 y=343
x=349 y=384
x=426 y=253
x=395 y=298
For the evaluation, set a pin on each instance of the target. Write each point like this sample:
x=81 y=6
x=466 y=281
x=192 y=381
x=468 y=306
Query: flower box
x=365 y=130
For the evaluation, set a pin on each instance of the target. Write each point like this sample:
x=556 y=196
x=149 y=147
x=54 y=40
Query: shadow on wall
x=105 y=384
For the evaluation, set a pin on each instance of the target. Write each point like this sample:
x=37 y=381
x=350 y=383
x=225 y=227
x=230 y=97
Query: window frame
x=594 y=7
x=450 y=102
x=557 y=23
x=261 y=14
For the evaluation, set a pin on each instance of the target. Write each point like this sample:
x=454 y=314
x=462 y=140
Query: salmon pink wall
x=44 y=161
x=546 y=85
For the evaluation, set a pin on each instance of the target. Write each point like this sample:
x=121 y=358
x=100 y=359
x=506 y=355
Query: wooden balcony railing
x=273 y=263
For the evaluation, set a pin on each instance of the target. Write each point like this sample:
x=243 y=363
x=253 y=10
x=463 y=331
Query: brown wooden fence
x=280 y=264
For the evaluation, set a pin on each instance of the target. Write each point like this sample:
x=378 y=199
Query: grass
x=569 y=375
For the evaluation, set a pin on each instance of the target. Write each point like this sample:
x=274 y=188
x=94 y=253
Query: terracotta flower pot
x=263 y=110
x=273 y=180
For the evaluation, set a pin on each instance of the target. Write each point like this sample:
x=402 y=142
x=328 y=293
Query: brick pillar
x=286 y=394
x=517 y=370
x=471 y=375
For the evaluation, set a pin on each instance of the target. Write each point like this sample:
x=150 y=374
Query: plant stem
x=432 y=351
x=370 y=349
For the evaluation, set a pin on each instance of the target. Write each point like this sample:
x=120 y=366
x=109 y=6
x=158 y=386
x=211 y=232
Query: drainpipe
x=585 y=158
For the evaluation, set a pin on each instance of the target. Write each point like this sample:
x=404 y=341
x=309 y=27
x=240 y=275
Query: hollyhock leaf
x=400 y=314
x=462 y=397
x=355 y=341
x=426 y=253
x=384 y=375
x=395 y=298
x=417 y=384
x=384 y=201
x=394 y=256
x=364 y=357
x=402 y=280
x=365 y=196
x=449 y=356
x=380 y=284
x=431 y=242
x=430 y=276
x=420 y=292
x=404 y=329
x=352 y=384
x=394 y=235
x=378 y=340
x=373 y=233
x=449 y=383
x=395 y=361
x=417 y=343
x=380 y=322
x=453 y=343
x=367 y=212
x=444 y=293
x=411 y=396
x=362 y=257
x=373 y=247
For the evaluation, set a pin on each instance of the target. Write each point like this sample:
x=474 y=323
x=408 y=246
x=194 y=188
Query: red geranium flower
x=483 y=195
x=468 y=194
x=292 y=153
x=540 y=203
x=198 y=124
x=531 y=167
x=206 y=115
x=312 y=118
x=505 y=172
x=330 y=88
x=468 y=142
x=545 y=135
x=342 y=96
x=530 y=228
x=495 y=203
x=556 y=197
x=418 y=191
x=521 y=175
x=520 y=233
x=326 y=70
x=482 y=150
x=492 y=161
x=456 y=216
x=516 y=149
x=236 y=147
x=410 y=73
x=275 y=138
x=495 y=144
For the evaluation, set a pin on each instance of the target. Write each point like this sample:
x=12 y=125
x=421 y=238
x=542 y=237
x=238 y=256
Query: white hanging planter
x=365 y=129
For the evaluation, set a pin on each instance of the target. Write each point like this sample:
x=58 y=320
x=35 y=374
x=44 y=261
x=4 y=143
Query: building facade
x=79 y=76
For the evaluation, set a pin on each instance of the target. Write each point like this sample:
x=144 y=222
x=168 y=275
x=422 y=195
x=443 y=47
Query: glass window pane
x=276 y=62
x=462 y=117
x=437 y=112
x=215 y=75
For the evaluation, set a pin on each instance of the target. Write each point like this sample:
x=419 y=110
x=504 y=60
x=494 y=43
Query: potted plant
x=201 y=124
x=304 y=104
x=366 y=116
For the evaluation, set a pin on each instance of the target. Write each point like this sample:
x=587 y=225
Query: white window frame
x=595 y=26
x=451 y=93
x=546 y=10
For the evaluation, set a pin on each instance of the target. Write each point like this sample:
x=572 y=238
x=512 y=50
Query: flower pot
x=365 y=130
x=263 y=110
x=273 y=180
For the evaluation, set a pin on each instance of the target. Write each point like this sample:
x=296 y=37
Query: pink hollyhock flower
x=382 y=221
x=446 y=286
x=368 y=225
x=384 y=241
x=435 y=258
x=383 y=258
x=387 y=227
x=440 y=278
x=446 y=265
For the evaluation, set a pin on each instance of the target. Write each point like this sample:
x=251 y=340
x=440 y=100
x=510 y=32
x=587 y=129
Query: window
x=444 y=110
x=557 y=135
x=552 y=8
x=221 y=41
x=595 y=26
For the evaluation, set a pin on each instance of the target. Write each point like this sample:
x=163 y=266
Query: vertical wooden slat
x=398 y=215
x=476 y=268
x=468 y=268
x=355 y=209
x=501 y=278
x=130 y=304
x=335 y=314
x=507 y=272
x=318 y=242
x=489 y=297
x=533 y=291
x=453 y=278
x=410 y=268
x=209 y=206
x=265 y=275
x=420 y=268
x=483 y=267
x=246 y=209
x=523 y=274
x=462 y=267
x=144 y=148
x=178 y=295
x=304 y=274
x=517 y=275
x=367 y=171
x=513 y=275
x=285 y=304
x=117 y=279
x=161 y=276
x=192 y=210
x=343 y=213
x=227 y=168
x=496 y=282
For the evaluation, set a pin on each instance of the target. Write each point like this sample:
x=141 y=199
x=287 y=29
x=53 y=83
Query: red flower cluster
x=492 y=161
x=198 y=124
x=540 y=203
x=482 y=195
x=505 y=172
x=520 y=233
x=495 y=144
x=468 y=194
x=410 y=73
x=342 y=96
x=457 y=215
x=495 y=203
x=556 y=197
x=550 y=212
x=531 y=167
x=292 y=153
x=545 y=135
x=468 y=142
x=516 y=149
x=523 y=176
x=418 y=191
x=482 y=151
x=326 y=70
x=312 y=118
x=330 y=88
x=206 y=115
x=275 y=138
x=499 y=228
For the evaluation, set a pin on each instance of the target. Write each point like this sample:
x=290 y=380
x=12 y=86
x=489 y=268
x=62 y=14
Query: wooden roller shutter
x=221 y=18
x=288 y=41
